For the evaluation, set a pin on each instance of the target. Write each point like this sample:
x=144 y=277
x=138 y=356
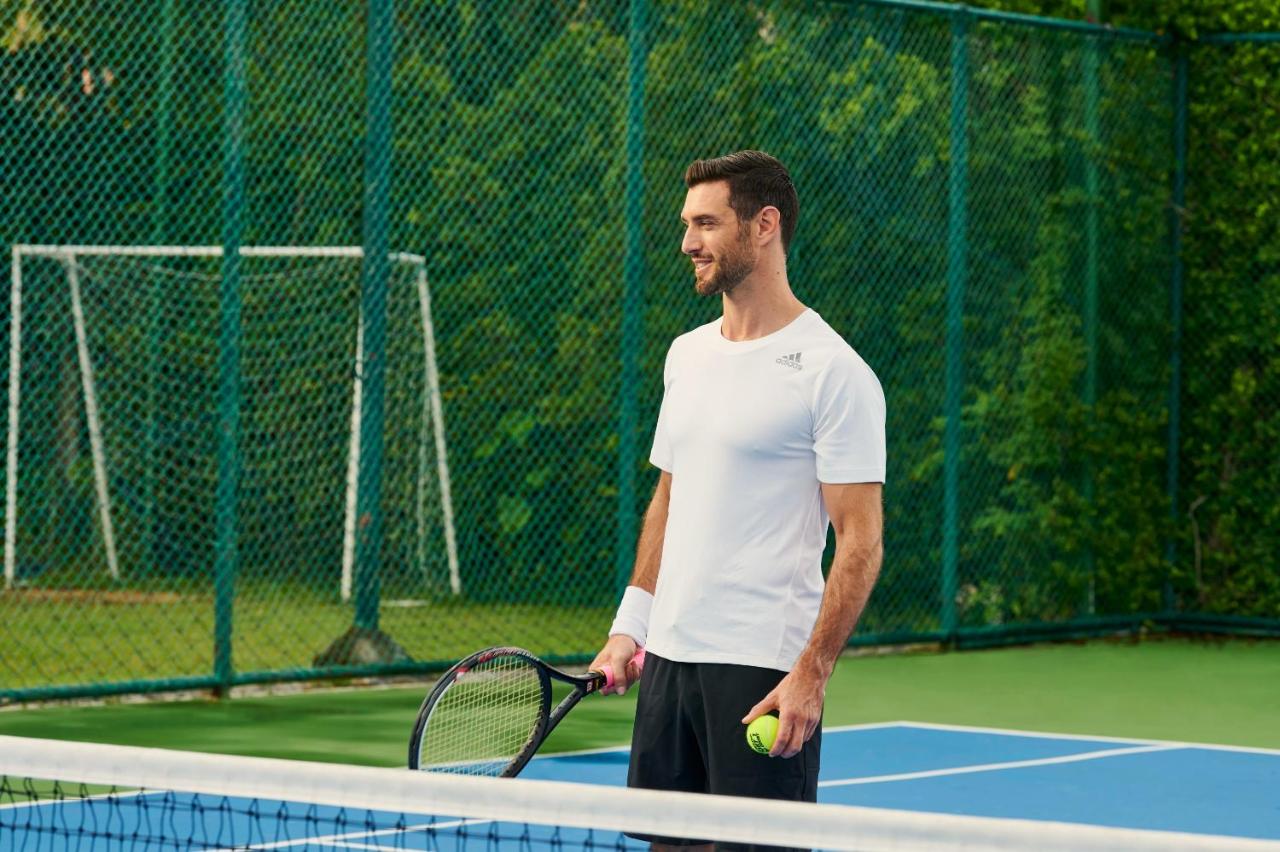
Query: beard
x=732 y=268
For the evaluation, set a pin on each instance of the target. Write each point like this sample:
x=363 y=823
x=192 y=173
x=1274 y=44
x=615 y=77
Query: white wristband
x=633 y=614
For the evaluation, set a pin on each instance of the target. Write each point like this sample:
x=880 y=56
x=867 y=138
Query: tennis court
x=335 y=344
x=1207 y=796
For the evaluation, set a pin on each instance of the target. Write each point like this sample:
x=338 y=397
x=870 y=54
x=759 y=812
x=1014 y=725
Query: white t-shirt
x=748 y=431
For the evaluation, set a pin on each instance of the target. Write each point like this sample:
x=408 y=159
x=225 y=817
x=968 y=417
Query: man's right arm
x=621 y=647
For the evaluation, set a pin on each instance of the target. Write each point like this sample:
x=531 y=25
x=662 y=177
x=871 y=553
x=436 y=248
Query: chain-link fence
x=336 y=349
x=1228 y=518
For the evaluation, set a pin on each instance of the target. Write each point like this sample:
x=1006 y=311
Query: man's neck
x=759 y=306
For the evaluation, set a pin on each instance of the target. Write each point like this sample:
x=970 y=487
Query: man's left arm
x=858 y=519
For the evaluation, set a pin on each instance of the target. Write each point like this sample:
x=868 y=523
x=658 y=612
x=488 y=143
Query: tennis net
x=78 y=796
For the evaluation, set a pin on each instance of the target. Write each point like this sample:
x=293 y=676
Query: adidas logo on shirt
x=792 y=361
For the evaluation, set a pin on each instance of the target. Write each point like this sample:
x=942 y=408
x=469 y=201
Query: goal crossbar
x=36 y=250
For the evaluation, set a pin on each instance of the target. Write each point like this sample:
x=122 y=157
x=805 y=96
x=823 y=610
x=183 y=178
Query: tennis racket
x=492 y=711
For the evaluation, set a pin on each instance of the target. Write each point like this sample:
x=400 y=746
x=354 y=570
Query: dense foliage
x=509 y=178
x=1226 y=515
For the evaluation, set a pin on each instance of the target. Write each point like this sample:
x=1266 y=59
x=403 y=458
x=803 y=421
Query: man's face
x=717 y=243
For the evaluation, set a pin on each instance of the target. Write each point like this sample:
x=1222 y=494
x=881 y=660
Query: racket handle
x=607 y=670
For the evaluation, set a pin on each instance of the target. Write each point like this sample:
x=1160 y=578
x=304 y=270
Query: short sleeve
x=848 y=422
x=661 y=456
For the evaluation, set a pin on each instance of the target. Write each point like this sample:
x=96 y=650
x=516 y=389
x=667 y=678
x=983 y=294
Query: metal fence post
x=159 y=233
x=1180 y=118
x=633 y=291
x=373 y=309
x=1091 y=271
x=234 y=97
x=957 y=269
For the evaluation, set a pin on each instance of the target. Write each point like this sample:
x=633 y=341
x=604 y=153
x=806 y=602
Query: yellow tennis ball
x=762 y=732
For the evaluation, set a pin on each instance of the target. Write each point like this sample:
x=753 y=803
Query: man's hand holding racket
x=619 y=657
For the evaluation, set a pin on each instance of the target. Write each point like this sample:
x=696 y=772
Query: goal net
x=112 y=442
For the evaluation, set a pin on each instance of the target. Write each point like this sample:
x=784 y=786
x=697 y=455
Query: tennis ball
x=762 y=732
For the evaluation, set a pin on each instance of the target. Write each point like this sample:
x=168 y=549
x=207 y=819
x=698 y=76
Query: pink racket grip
x=607 y=670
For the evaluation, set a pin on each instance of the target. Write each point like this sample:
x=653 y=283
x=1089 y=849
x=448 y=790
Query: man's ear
x=769 y=223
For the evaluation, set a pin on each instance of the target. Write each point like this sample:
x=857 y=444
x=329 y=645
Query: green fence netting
x=1228 y=520
x=335 y=331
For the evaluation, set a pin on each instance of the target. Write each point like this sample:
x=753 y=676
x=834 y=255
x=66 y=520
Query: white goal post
x=67 y=255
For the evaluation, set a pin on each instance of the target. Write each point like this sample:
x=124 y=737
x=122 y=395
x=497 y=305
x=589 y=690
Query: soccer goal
x=131 y=442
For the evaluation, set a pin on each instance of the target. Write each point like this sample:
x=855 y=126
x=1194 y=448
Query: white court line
x=340 y=839
x=1085 y=737
x=867 y=726
x=342 y=844
x=584 y=752
x=978 y=729
x=994 y=767
x=73 y=799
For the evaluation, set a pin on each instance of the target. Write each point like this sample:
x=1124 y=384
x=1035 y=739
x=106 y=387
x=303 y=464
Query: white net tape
x=425 y=798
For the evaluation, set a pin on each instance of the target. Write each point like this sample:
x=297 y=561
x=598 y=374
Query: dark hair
x=756 y=180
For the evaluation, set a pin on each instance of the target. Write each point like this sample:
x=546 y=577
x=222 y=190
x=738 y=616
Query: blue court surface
x=1168 y=786
x=1143 y=784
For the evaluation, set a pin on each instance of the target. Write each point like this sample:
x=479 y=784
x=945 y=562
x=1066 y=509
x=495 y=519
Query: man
x=771 y=426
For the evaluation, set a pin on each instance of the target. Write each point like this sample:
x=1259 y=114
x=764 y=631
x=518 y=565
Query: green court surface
x=1219 y=692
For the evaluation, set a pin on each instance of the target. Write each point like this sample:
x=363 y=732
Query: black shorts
x=689 y=737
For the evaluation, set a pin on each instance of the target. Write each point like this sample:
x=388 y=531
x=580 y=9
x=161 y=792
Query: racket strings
x=484 y=719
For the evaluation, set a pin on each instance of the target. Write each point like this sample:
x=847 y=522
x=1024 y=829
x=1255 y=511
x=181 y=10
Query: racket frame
x=548 y=717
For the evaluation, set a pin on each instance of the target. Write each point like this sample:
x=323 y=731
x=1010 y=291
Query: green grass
x=1224 y=692
x=57 y=637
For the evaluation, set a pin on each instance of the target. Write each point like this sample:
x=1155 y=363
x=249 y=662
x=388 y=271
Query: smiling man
x=771 y=429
